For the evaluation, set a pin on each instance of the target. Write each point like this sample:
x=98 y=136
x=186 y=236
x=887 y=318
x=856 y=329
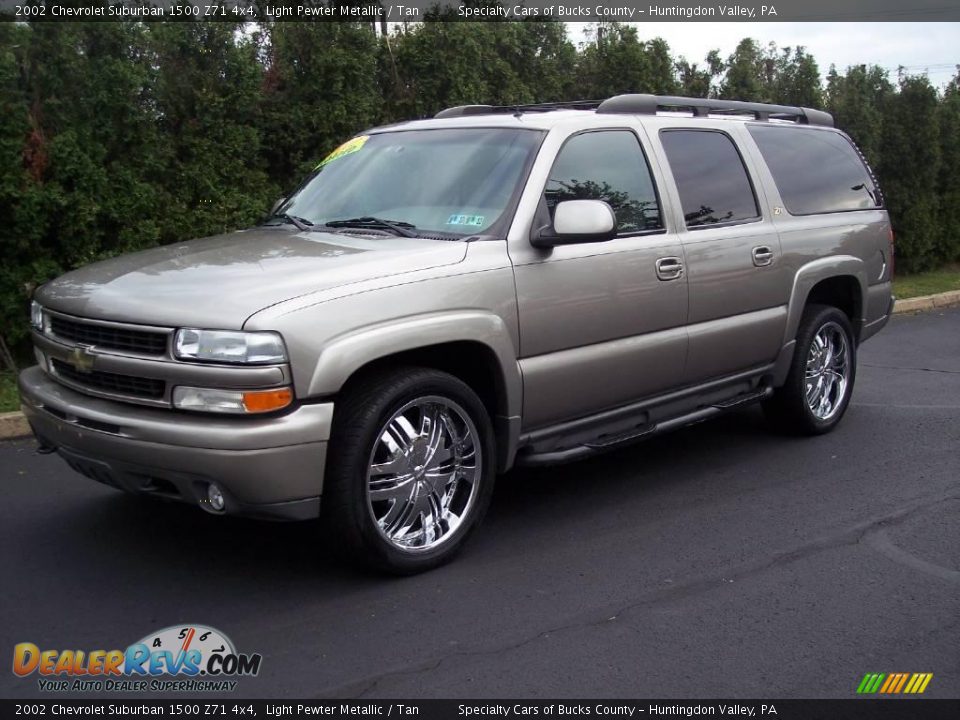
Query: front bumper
x=269 y=467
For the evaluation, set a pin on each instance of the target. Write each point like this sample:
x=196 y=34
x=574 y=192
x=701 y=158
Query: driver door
x=602 y=324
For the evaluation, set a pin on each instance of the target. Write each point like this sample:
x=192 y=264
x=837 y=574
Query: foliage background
x=121 y=136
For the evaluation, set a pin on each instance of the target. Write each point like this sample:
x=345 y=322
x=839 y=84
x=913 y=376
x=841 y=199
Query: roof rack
x=465 y=110
x=650 y=104
x=641 y=104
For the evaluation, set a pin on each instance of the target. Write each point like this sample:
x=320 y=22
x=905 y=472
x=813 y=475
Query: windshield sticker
x=349 y=147
x=475 y=220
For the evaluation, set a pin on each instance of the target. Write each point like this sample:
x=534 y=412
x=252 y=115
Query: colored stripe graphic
x=870 y=683
x=894 y=683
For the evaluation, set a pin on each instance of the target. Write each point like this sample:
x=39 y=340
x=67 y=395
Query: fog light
x=215 y=497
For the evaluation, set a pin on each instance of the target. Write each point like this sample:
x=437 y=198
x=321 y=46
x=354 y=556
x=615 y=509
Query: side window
x=607 y=165
x=816 y=171
x=712 y=181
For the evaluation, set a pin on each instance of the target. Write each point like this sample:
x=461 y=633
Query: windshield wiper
x=301 y=223
x=397 y=226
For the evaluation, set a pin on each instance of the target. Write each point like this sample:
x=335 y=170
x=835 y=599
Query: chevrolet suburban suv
x=444 y=299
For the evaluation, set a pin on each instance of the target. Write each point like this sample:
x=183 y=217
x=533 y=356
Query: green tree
x=436 y=65
x=795 y=79
x=82 y=188
x=910 y=169
x=318 y=88
x=207 y=106
x=856 y=100
x=747 y=76
x=619 y=62
x=949 y=181
x=699 y=81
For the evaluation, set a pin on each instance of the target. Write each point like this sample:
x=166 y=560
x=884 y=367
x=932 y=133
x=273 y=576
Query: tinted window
x=610 y=166
x=816 y=171
x=711 y=179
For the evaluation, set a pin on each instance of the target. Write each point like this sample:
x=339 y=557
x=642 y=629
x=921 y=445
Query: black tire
x=788 y=408
x=360 y=416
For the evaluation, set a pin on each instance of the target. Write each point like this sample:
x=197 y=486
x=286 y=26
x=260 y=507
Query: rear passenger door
x=601 y=323
x=738 y=284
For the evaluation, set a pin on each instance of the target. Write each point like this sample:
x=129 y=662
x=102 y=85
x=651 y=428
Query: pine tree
x=910 y=169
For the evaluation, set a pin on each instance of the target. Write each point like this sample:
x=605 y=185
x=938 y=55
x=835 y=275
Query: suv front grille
x=106 y=337
x=149 y=388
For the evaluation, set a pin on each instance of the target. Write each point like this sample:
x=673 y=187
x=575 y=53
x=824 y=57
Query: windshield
x=456 y=181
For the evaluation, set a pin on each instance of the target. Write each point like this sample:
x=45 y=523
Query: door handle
x=762 y=256
x=669 y=268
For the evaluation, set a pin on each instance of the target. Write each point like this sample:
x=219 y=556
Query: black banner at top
x=392 y=11
x=498 y=709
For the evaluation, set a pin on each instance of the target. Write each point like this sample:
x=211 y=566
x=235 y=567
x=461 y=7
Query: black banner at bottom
x=885 y=709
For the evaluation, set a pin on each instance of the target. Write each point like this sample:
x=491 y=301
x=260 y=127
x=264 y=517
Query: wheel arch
x=839 y=281
x=474 y=347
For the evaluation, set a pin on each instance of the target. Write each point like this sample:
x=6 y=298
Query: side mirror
x=276 y=205
x=579 y=221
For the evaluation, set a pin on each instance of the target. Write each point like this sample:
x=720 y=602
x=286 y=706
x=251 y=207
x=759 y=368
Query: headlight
x=231 y=401
x=36 y=315
x=229 y=346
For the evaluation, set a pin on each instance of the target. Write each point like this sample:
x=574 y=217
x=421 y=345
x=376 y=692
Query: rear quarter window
x=816 y=171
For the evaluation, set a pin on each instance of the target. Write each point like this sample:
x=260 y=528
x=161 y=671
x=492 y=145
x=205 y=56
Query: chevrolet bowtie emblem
x=82 y=358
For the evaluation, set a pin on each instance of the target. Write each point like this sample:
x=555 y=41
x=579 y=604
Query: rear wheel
x=817 y=391
x=411 y=470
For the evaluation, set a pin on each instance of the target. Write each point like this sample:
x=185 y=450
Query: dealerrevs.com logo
x=180 y=658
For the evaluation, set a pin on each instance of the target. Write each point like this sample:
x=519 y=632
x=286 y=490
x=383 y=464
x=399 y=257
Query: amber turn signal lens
x=260 y=401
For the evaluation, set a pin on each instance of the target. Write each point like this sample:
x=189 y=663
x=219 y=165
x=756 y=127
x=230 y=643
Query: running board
x=607 y=443
x=745 y=399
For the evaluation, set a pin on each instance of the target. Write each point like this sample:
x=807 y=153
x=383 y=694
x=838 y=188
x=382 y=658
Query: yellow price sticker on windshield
x=349 y=147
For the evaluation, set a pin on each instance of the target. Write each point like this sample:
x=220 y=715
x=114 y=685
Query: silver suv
x=444 y=299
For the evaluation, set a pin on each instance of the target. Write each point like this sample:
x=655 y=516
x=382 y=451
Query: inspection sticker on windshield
x=476 y=220
x=350 y=146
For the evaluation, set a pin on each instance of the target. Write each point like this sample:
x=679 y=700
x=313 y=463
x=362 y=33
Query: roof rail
x=465 y=110
x=639 y=104
x=649 y=105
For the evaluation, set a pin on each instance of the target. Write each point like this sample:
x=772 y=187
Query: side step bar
x=607 y=443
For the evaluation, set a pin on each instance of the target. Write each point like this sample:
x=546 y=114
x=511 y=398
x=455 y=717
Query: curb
x=14 y=424
x=927 y=302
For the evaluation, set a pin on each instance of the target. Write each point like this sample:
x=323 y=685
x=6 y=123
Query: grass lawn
x=928 y=283
x=9 y=398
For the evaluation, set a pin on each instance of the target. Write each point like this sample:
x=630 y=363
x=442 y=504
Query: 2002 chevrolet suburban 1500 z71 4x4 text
x=443 y=299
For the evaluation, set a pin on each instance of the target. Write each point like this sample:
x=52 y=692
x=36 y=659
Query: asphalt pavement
x=718 y=561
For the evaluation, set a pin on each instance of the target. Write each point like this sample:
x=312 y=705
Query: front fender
x=342 y=356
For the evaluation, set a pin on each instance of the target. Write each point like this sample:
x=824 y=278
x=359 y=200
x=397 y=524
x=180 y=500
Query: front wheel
x=820 y=382
x=411 y=470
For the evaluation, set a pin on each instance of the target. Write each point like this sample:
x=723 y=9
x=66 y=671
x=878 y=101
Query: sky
x=931 y=48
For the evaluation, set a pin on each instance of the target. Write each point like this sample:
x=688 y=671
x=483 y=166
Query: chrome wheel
x=828 y=371
x=423 y=472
